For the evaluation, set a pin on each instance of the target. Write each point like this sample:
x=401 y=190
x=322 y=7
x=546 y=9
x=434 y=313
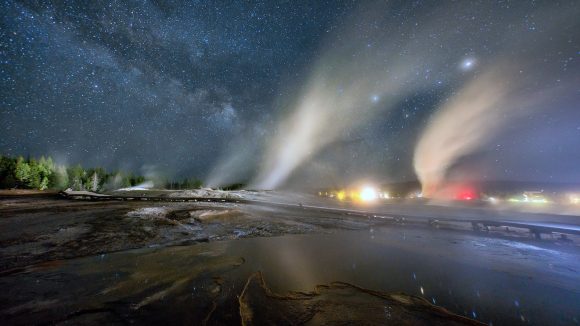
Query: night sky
x=181 y=88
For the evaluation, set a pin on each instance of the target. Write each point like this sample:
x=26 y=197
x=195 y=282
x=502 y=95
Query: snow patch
x=143 y=186
x=148 y=212
x=206 y=193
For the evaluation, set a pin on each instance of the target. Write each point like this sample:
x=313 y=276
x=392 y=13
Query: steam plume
x=357 y=78
x=460 y=127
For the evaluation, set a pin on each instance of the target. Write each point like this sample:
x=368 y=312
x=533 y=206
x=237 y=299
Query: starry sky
x=190 y=88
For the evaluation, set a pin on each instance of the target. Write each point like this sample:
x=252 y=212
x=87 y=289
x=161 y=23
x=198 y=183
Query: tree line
x=44 y=173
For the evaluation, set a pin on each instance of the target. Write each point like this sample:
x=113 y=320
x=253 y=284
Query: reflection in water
x=339 y=303
x=475 y=276
x=487 y=279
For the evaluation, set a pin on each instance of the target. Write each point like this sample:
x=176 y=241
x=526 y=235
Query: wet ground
x=72 y=262
x=35 y=229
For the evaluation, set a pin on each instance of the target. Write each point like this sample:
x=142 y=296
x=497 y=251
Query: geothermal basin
x=87 y=262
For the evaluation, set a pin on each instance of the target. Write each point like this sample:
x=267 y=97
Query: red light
x=465 y=194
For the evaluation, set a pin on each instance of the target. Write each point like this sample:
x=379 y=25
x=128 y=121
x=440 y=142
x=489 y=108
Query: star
x=468 y=64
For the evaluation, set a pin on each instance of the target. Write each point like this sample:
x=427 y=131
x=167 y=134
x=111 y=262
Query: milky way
x=202 y=88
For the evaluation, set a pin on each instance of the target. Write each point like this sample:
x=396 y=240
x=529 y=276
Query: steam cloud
x=483 y=108
x=331 y=106
x=461 y=127
x=365 y=72
x=479 y=112
x=362 y=75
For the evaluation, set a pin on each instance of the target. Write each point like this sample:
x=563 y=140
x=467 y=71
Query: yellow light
x=340 y=195
x=368 y=194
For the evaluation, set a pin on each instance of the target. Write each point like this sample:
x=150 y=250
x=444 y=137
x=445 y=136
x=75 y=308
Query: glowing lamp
x=466 y=194
x=368 y=194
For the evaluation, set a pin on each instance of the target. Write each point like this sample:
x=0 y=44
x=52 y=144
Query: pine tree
x=22 y=172
x=44 y=169
x=35 y=177
x=43 y=183
x=76 y=176
x=59 y=178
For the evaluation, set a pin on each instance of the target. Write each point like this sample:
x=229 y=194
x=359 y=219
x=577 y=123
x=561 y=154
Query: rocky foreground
x=41 y=228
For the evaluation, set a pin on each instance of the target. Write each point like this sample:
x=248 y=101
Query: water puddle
x=408 y=276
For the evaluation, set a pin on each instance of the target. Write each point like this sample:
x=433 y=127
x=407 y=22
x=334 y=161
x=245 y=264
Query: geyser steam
x=478 y=113
x=331 y=105
x=504 y=93
x=461 y=127
x=378 y=61
x=362 y=74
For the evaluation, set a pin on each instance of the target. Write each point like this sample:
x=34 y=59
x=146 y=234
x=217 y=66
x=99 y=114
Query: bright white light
x=375 y=98
x=368 y=194
x=468 y=64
